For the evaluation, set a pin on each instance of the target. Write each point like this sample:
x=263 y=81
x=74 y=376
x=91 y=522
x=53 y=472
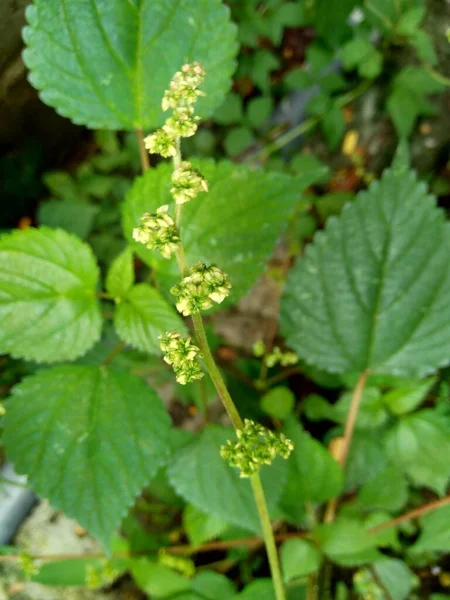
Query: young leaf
x=201 y=527
x=419 y=444
x=259 y=110
x=100 y=64
x=395 y=577
x=278 y=402
x=230 y=111
x=159 y=581
x=314 y=475
x=345 y=541
x=435 y=534
x=388 y=490
x=299 y=558
x=236 y=234
x=142 y=316
x=407 y=397
x=89 y=439
x=120 y=276
x=48 y=308
x=204 y=479
x=213 y=586
x=371 y=291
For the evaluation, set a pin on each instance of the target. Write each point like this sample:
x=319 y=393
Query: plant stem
x=269 y=539
x=286 y=138
x=115 y=351
x=436 y=75
x=330 y=511
x=145 y=160
x=231 y=409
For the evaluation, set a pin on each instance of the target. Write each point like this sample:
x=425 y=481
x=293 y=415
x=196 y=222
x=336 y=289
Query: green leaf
x=74 y=217
x=120 y=276
x=419 y=444
x=100 y=64
x=142 y=316
x=298 y=79
x=201 y=527
x=388 y=490
x=299 y=558
x=435 y=532
x=371 y=291
x=159 y=581
x=213 y=586
x=345 y=541
x=259 y=110
x=236 y=235
x=366 y=459
x=410 y=20
x=407 y=397
x=261 y=589
x=278 y=402
x=314 y=475
x=395 y=577
x=333 y=126
x=89 y=439
x=372 y=413
x=237 y=140
x=48 y=308
x=62 y=184
x=230 y=111
x=423 y=44
x=264 y=62
x=204 y=479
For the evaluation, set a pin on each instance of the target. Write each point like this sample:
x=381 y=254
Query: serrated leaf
x=314 y=475
x=201 y=527
x=100 y=63
x=204 y=479
x=435 y=532
x=226 y=226
x=89 y=438
x=48 y=308
x=120 y=276
x=142 y=316
x=419 y=444
x=299 y=558
x=371 y=291
x=388 y=490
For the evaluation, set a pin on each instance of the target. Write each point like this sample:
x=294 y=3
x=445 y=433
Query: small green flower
x=158 y=231
x=187 y=183
x=161 y=142
x=183 y=87
x=27 y=565
x=183 y=355
x=256 y=446
x=284 y=358
x=198 y=291
x=183 y=123
x=259 y=349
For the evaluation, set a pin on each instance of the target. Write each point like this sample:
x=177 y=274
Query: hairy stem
x=231 y=410
x=145 y=160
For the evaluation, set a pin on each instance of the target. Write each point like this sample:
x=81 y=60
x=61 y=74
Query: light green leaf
x=230 y=111
x=298 y=79
x=66 y=572
x=435 y=532
x=423 y=44
x=89 y=439
x=100 y=63
x=395 y=576
x=48 y=308
x=419 y=444
x=261 y=589
x=333 y=126
x=120 y=276
x=237 y=235
x=259 y=110
x=142 y=316
x=346 y=541
x=204 y=479
x=278 y=402
x=201 y=527
x=388 y=490
x=299 y=558
x=410 y=20
x=159 y=581
x=371 y=291
x=74 y=217
x=314 y=475
x=237 y=140
x=407 y=397
x=213 y=586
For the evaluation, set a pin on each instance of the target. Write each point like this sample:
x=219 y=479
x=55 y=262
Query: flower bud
x=157 y=231
x=187 y=183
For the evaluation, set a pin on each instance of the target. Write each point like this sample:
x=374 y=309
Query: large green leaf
x=89 y=438
x=48 y=308
x=203 y=478
x=419 y=444
x=372 y=290
x=236 y=224
x=106 y=63
x=142 y=316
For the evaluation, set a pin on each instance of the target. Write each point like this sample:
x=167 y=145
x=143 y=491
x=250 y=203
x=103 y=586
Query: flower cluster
x=182 y=94
x=187 y=183
x=158 y=231
x=182 y=354
x=256 y=446
x=284 y=358
x=198 y=291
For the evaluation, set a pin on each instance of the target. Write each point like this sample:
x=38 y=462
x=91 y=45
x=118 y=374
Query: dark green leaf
x=345 y=541
x=201 y=527
x=299 y=558
x=213 y=586
x=230 y=111
x=237 y=140
x=100 y=64
x=387 y=490
x=371 y=291
x=259 y=110
x=89 y=439
x=74 y=217
x=395 y=576
x=48 y=308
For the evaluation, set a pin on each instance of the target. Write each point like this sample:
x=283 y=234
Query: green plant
x=363 y=312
